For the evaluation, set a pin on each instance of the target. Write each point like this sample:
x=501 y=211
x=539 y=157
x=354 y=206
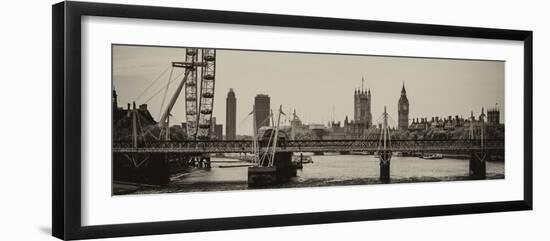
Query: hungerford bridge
x=247 y=146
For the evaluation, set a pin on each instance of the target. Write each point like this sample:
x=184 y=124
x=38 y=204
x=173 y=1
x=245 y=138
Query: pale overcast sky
x=316 y=84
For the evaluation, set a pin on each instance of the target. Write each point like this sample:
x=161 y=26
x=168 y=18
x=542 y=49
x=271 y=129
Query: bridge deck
x=246 y=146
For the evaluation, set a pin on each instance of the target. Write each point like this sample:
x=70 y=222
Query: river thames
x=326 y=170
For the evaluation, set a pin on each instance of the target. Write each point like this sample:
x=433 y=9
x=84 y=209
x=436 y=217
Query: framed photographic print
x=170 y=120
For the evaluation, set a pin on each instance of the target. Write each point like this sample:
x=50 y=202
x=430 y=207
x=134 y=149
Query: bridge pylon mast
x=255 y=152
x=276 y=137
x=254 y=136
x=134 y=126
x=384 y=149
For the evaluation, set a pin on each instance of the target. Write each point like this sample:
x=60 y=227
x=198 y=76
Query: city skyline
x=283 y=76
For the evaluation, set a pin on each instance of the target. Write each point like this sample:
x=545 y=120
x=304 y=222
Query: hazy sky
x=316 y=85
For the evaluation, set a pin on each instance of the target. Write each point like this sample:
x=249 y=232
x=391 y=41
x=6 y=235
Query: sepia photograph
x=168 y=119
x=196 y=119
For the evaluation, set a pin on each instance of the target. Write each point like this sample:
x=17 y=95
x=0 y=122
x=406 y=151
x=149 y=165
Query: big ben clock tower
x=403 y=110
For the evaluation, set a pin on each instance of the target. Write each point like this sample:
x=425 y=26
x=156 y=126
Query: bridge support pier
x=385 y=171
x=200 y=161
x=385 y=157
x=478 y=165
x=203 y=162
x=152 y=169
x=206 y=162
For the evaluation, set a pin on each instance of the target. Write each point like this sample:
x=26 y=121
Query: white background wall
x=25 y=137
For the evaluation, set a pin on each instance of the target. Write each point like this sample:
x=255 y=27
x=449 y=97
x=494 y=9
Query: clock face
x=404 y=107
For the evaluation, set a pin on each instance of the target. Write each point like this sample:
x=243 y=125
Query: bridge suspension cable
x=155 y=94
x=153 y=82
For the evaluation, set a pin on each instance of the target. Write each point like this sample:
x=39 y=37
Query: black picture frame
x=66 y=169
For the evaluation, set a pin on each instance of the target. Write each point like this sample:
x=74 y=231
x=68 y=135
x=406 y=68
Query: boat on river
x=432 y=156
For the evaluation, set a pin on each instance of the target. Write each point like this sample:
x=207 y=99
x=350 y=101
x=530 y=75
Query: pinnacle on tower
x=362 y=83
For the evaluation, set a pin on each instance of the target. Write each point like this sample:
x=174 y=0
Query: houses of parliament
x=362 y=116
